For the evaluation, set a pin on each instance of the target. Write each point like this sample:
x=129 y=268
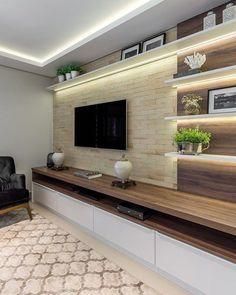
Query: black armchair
x=13 y=193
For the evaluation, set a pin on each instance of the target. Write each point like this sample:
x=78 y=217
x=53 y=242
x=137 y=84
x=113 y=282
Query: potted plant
x=75 y=70
x=192 y=141
x=67 y=70
x=60 y=75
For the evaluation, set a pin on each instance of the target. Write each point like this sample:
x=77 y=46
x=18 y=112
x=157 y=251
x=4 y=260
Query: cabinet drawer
x=132 y=237
x=75 y=210
x=198 y=269
x=45 y=196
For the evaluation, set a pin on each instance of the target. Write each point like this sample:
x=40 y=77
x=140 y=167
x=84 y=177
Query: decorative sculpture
x=191 y=104
x=195 y=61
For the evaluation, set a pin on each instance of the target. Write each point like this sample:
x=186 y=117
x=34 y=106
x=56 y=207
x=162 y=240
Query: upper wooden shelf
x=204 y=77
x=201 y=117
x=221 y=31
x=216 y=214
x=203 y=157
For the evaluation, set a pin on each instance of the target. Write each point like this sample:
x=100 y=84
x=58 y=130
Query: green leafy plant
x=67 y=69
x=60 y=71
x=75 y=68
x=192 y=135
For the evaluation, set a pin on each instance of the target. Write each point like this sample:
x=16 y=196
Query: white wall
x=26 y=111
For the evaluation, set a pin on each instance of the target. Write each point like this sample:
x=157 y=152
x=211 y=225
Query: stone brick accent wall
x=149 y=135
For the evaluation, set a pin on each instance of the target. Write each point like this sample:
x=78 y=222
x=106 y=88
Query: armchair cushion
x=13 y=197
x=17 y=181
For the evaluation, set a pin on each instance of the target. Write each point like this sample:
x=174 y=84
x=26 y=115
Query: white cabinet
x=45 y=196
x=199 y=270
x=134 y=238
x=74 y=210
x=196 y=270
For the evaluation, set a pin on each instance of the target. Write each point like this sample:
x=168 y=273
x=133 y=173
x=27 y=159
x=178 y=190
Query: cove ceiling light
x=111 y=22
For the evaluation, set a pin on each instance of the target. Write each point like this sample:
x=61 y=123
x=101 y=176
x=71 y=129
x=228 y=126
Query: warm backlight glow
x=205 y=82
x=112 y=21
x=206 y=44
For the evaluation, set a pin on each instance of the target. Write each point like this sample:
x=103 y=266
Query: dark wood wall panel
x=203 y=92
x=210 y=179
x=222 y=54
x=195 y=24
x=223 y=130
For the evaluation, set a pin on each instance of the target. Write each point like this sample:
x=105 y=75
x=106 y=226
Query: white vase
x=68 y=76
x=61 y=78
x=74 y=74
x=209 y=21
x=229 y=13
x=123 y=168
x=58 y=159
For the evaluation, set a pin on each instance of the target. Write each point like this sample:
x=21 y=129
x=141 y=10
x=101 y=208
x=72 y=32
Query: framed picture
x=154 y=42
x=130 y=51
x=222 y=100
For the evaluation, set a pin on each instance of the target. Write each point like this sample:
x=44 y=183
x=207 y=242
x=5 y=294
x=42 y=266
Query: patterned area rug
x=37 y=257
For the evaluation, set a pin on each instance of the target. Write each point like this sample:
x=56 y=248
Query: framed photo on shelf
x=222 y=100
x=154 y=42
x=130 y=51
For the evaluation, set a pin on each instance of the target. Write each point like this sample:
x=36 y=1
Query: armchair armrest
x=17 y=181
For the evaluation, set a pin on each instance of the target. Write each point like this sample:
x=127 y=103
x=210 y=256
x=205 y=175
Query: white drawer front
x=45 y=196
x=75 y=210
x=136 y=239
x=202 y=271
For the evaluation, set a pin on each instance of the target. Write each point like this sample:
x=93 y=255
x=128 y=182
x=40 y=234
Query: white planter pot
x=74 y=74
x=58 y=159
x=123 y=168
x=68 y=76
x=61 y=78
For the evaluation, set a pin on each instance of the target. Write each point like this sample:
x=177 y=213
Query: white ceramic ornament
x=123 y=168
x=58 y=159
x=209 y=21
x=195 y=61
x=229 y=13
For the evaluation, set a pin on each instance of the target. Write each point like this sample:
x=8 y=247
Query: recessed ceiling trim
x=5 y=52
x=108 y=24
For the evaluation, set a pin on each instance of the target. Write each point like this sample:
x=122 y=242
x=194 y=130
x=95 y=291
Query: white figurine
x=195 y=61
x=209 y=21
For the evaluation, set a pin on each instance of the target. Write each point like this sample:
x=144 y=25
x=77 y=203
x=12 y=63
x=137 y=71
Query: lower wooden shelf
x=207 y=239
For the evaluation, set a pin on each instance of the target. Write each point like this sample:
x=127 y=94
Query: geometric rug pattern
x=37 y=257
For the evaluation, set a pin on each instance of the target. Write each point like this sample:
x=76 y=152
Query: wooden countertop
x=216 y=214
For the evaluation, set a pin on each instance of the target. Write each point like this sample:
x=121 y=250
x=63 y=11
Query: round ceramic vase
x=61 y=78
x=58 y=159
x=74 y=74
x=68 y=76
x=123 y=168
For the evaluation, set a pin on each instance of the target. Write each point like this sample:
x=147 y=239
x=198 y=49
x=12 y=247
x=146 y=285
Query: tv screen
x=101 y=125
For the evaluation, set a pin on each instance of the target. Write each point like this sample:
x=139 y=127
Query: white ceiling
x=40 y=35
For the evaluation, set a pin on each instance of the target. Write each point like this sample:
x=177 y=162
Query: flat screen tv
x=101 y=125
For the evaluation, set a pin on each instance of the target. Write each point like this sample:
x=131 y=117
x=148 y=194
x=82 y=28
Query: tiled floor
x=38 y=257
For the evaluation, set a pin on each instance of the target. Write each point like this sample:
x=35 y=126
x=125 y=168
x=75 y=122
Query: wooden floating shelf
x=221 y=31
x=199 y=117
x=203 y=157
x=194 y=208
x=227 y=73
